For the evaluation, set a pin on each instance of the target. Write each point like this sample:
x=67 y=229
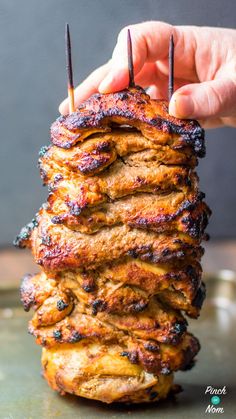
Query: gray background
x=32 y=84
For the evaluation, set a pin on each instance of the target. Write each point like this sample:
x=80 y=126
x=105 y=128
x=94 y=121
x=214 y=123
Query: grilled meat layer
x=149 y=337
x=131 y=107
x=122 y=287
x=119 y=245
x=99 y=372
x=55 y=247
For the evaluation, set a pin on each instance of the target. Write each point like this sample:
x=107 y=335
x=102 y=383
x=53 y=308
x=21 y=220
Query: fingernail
x=105 y=85
x=181 y=106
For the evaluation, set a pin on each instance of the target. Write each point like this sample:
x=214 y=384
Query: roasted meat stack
x=119 y=244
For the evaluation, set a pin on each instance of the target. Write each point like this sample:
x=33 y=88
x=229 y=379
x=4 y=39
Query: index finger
x=150 y=42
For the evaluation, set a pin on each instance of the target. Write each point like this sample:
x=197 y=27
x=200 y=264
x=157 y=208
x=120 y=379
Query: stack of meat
x=119 y=244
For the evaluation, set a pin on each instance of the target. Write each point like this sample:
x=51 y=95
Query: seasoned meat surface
x=134 y=108
x=119 y=243
x=55 y=247
x=99 y=372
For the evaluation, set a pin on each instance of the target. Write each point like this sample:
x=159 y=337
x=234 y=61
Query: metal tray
x=25 y=395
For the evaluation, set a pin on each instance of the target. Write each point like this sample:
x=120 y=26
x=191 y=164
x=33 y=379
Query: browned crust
x=78 y=193
x=124 y=287
x=35 y=289
x=133 y=107
x=119 y=243
x=155 y=322
x=101 y=150
x=99 y=372
x=152 y=351
x=56 y=248
x=167 y=213
x=151 y=354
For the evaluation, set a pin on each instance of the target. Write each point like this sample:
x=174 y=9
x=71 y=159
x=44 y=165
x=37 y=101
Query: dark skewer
x=69 y=70
x=130 y=60
x=171 y=67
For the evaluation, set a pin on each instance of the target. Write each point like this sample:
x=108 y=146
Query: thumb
x=216 y=98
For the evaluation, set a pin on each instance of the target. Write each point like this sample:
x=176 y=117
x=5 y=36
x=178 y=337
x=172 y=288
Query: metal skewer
x=69 y=69
x=130 y=60
x=171 y=67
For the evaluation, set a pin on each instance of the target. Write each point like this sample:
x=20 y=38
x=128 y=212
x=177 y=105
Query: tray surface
x=24 y=394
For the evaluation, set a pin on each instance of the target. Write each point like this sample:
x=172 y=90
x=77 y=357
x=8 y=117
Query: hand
x=205 y=70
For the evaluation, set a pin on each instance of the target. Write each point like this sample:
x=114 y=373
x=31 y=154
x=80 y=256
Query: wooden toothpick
x=171 y=67
x=130 y=60
x=69 y=69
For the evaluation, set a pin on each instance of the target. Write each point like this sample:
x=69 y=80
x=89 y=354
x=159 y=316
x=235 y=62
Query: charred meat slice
x=119 y=245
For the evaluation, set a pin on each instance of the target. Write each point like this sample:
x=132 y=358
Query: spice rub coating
x=119 y=246
x=132 y=107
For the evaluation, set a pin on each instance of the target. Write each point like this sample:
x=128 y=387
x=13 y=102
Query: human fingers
x=149 y=41
x=86 y=88
x=155 y=93
x=159 y=90
x=210 y=99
